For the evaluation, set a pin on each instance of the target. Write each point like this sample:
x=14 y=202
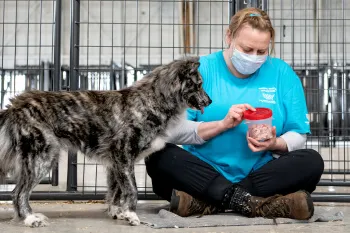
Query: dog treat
x=260 y=132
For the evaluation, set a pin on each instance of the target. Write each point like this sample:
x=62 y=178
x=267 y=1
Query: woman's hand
x=235 y=116
x=257 y=146
x=208 y=130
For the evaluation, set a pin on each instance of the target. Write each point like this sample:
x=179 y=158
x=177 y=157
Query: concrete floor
x=90 y=217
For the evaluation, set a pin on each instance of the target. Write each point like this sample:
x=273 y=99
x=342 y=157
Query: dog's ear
x=194 y=66
x=187 y=67
x=191 y=65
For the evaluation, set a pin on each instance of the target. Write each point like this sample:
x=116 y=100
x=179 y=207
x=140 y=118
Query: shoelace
x=197 y=206
x=207 y=211
x=271 y=208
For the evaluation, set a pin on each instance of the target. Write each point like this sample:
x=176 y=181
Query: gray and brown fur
x=114 y=127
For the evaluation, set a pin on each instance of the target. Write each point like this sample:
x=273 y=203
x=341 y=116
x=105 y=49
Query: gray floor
x=90 y=217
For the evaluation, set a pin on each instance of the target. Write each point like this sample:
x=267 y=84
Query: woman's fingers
x=256 y=146
x=243 y=107
x=235 y=116
x=248 y=106
x=236 y=113
x=255 y=142
x=273 y=131
x=253 y=147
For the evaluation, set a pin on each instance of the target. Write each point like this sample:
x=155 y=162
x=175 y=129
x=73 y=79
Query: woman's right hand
x=235 y=115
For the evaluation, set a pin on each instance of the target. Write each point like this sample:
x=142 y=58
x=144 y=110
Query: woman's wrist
x=221 y=126
x=280 y=145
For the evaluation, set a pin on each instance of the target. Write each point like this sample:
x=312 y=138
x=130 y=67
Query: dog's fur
x=114 y=127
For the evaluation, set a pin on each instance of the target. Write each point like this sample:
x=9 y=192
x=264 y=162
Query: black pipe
x=8 y=181
x=57 y=50
x=56 y=81
x=334 y=183
x=72 y=178
x=60 y=196
x=73 y=85
x=74 y=45
x=232 y=7
x=338 y=172
x=330 y=197
x=3 y=91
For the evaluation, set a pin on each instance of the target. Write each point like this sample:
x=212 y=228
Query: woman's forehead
x=253 y=38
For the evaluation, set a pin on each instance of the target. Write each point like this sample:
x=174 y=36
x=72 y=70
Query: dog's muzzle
x=199 y=101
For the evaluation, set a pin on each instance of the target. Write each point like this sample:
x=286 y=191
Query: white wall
x=149 y=26
x=322 y=21
x=14 y=38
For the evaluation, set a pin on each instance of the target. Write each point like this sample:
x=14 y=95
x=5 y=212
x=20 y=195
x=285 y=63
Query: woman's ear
x=228 y=38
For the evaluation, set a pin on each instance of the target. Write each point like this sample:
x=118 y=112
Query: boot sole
x=174 y=202
x=310 y=203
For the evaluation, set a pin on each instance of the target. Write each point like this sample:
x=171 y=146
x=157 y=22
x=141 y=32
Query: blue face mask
x=247 y=64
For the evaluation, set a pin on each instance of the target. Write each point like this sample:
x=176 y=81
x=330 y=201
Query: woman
x=220 y=168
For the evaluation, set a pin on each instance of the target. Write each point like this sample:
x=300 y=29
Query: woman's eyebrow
x=246 y=47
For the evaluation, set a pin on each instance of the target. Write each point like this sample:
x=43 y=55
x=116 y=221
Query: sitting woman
x=219 y=167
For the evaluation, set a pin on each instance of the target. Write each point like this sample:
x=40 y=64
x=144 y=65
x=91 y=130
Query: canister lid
x=259 y=114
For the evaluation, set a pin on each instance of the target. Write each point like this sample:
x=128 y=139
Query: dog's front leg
x=130 y=195
x=114 y=194
x=124 y=200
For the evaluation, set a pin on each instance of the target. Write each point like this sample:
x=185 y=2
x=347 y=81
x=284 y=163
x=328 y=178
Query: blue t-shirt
x=275 y=85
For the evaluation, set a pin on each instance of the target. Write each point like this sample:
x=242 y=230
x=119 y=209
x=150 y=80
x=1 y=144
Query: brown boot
x=296 y=205
x=185 y=205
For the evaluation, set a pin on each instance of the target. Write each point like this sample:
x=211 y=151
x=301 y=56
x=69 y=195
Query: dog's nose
x=210 y=101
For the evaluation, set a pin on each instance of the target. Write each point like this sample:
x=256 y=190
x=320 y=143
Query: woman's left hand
x=257 y=146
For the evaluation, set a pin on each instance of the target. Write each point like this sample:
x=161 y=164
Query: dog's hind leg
x=31 y=173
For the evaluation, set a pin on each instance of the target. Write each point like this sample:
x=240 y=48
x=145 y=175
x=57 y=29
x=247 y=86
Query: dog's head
x=190 y=81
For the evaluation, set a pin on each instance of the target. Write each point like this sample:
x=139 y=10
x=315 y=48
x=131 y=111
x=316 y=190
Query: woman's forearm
x=194 y=133
x=208 y=130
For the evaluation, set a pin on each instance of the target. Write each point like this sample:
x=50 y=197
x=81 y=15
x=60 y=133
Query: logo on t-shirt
x=267 y=95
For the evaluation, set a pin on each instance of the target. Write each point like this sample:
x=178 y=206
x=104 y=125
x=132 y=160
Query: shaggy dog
x=116 y=128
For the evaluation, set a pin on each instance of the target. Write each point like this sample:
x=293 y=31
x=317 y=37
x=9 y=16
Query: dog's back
x=89 y=121
x=77 y=117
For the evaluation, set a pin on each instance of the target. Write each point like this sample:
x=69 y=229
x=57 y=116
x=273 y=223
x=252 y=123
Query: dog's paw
x=132 y=218
x=36 y=220
x=116 y=212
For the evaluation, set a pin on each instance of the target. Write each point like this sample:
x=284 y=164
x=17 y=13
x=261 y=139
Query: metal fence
x=108 y=44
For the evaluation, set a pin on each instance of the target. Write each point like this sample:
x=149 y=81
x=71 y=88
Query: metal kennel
x=109 y=44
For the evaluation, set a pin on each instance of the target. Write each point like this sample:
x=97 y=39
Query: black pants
x=175 y=168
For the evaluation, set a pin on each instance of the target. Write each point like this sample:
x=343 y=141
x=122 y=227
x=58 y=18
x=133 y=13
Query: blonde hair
x=254 y=17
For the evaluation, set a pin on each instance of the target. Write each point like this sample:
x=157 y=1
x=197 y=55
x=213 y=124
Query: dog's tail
x=5 y=147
